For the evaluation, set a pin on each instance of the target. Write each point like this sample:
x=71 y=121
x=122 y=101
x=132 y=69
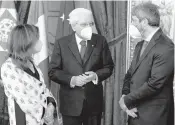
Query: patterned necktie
x=145 y=44
x=83 y=48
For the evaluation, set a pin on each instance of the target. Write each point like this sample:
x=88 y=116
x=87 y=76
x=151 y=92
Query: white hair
x=77 y=14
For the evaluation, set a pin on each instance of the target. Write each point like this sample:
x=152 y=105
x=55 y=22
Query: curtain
x=22 y=8
x=111 y=21
x=110 y=17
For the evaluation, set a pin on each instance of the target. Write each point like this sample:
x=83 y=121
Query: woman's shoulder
x=8 y=64
x=9 y=67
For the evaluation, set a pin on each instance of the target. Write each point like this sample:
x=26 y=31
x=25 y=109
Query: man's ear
x=73 y=27
x=145 y=21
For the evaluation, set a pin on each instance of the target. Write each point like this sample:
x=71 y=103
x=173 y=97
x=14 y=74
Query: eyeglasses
x=87 y=24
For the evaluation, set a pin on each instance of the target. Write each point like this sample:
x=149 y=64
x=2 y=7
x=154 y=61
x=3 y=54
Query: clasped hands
x=48 y=116
x=131 y=112
x=83 y=79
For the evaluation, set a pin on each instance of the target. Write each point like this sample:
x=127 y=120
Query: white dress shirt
x=78 y=40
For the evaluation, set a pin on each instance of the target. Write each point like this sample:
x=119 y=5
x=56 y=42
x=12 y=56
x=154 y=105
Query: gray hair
x=77 y=14
x=148 y=11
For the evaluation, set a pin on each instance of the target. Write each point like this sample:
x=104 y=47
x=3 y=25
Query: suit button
x=42 y=93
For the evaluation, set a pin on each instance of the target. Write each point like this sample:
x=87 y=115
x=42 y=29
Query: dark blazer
x=148 y=84
x=66 y=62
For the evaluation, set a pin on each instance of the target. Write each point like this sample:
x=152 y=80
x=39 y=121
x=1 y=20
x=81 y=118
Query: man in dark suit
x=148 y=85
x=79 y=63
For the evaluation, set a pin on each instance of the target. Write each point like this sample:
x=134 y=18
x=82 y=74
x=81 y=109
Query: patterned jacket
x=29 y=93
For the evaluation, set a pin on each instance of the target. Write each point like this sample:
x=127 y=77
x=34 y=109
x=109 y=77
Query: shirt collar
x=151 y=35
x=78 y=39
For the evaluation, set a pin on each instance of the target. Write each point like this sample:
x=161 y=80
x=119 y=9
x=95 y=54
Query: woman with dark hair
x=29 y=101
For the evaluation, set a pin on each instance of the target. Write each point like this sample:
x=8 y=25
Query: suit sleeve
x=107 y=63
x=126 y=82
x=56 y=73
x=162 y=69
x=127 y=78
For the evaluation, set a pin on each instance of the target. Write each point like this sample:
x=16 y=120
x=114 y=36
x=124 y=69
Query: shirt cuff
x=96 y=80
x=72 y=82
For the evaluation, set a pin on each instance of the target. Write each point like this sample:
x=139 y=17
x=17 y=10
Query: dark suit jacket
x=66 y=62
x=148 y=84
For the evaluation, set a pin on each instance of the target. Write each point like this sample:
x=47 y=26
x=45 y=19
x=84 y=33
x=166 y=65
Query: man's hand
x=131 y=112
x=90 y=76
x=79 y=80
x=83 y=79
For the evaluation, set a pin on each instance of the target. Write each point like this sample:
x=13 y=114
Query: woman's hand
x=48 y=116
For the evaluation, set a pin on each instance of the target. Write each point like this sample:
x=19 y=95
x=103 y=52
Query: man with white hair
x=79 y=63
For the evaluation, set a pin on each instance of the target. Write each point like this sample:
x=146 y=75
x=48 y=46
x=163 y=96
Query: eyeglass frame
x=87 y=24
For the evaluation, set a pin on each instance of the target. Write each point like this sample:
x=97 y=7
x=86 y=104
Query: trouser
x=85 y=118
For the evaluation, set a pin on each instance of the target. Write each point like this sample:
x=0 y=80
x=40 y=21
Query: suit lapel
x=90 y=46
x=136 y=54
x=151 y=44
x=74 y=49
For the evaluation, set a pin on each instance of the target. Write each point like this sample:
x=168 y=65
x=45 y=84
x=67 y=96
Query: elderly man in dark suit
x=148 y=85
x=79 y=63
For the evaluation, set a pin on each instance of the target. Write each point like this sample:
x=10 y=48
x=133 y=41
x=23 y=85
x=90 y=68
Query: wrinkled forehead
x=85 y=18
x=81 y=15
